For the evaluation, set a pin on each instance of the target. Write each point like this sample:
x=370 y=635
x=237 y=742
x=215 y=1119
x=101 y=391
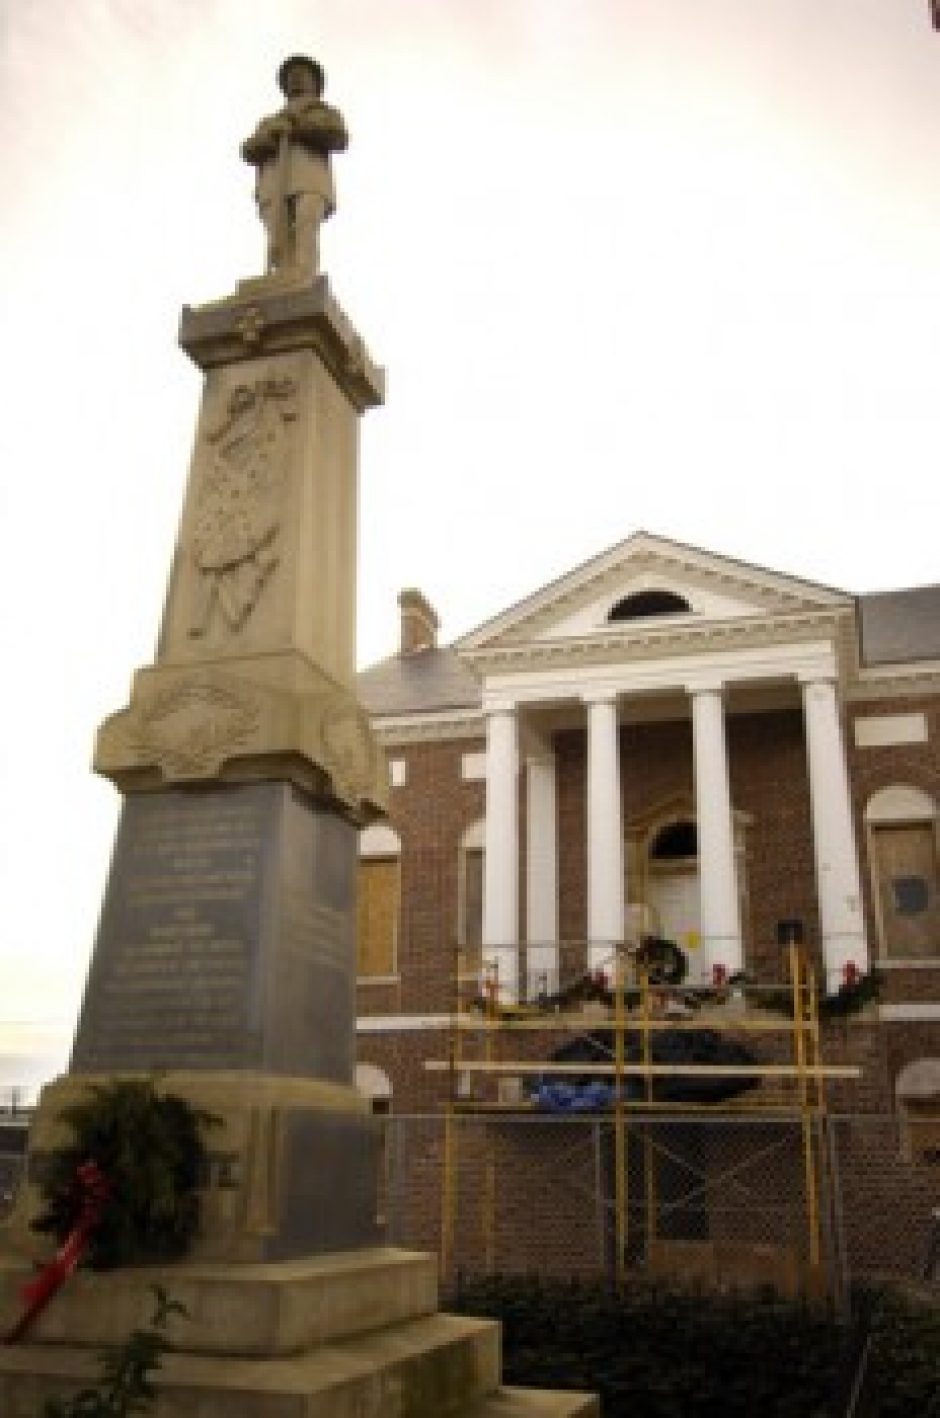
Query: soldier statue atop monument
x=290 y=151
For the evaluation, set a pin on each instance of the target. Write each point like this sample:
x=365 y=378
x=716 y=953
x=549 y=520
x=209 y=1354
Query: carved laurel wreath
x=190 y=726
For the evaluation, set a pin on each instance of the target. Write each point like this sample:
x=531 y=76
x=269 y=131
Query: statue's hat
x=308 y=63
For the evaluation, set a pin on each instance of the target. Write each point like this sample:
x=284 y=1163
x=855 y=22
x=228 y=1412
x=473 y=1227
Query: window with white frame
x=470 y=895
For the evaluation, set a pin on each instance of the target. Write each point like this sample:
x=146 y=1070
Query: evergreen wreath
x=664 y=961
x=150 y=1148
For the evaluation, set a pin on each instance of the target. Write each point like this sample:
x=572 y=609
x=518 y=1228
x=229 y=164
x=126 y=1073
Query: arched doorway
x=673 y=882
x=662 y=868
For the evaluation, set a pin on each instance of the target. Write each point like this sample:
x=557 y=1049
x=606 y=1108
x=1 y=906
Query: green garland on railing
x=656 y=956
x=664 y=961
x=851 y=997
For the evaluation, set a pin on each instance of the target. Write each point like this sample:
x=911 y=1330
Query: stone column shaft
x=501 y=854
x=542 y=873
x=720 y=921
x=838 y=884
x=605 y=878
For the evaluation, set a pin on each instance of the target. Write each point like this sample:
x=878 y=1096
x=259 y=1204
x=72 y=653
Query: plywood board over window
x=906 y=864
x=902 y=837
x=378 y=916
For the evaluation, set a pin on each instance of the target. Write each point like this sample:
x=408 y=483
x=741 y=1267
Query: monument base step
x=534 y=1403
x=266 y=1310
x=427 y=1367
x=352 y=1335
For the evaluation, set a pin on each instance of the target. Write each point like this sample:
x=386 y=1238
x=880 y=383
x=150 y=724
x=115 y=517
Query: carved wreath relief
x=190 y=727
x=234 y=542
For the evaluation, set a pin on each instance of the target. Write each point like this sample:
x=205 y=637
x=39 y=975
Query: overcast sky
x=660 y=264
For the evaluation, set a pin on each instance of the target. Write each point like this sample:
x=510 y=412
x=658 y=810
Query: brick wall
x=430 y=813
x=551 y=1179
x=769 y=782
x=538 y=1220
x=914 y=765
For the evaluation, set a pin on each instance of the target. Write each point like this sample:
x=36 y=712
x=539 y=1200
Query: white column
x=838 y=886
x=720 y=902
x=542 y=874
x=501 y=848
x=605 y=880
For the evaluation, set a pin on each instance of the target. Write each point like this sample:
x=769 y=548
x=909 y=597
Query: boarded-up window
x=378 y=915
x=918 y=1093
x=906 y=865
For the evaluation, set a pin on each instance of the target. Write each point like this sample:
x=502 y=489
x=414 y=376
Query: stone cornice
x=267 y=316
x=919 y=678
x=804 y=661
x=641 y=555
x=423 y=727
x=615 y=645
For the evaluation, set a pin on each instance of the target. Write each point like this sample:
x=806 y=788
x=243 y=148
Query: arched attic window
x=641 y=604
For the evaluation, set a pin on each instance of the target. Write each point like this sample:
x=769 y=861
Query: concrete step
x=534 y=1403
x=261 y=1310
x=426 y=1368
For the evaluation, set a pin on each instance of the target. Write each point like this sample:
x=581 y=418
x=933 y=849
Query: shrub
x=660 y=1352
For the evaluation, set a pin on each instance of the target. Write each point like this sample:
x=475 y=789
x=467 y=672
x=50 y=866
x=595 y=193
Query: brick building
x=672 y=742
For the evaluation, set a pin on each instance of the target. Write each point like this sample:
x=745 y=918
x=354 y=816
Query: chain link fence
x=730 y=1200
x=733 y=1200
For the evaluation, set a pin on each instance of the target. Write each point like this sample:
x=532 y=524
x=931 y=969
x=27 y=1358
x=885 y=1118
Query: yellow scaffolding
x=496 y=1020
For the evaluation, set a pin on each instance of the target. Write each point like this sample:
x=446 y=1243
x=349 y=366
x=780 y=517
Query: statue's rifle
x=279 y=235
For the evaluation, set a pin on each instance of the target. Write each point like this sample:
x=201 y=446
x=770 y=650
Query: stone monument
x=225 y=955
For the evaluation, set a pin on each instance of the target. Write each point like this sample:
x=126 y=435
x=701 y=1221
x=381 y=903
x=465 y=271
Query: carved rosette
x=192 y=726
x=239 y=502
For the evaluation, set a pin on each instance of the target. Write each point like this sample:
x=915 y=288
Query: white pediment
x=717 y=590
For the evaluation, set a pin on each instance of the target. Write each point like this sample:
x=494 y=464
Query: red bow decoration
x=94 y=1191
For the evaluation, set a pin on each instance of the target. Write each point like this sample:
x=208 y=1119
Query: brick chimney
x=419 y=622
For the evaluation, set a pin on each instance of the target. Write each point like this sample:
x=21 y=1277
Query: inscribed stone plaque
x=226 y=937
x=311 y=984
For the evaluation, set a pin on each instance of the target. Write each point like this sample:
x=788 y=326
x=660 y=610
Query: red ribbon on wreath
x=94 y=1191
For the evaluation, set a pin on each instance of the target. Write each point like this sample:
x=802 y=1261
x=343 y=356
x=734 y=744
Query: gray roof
x=895 y=626
x=418 y=683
